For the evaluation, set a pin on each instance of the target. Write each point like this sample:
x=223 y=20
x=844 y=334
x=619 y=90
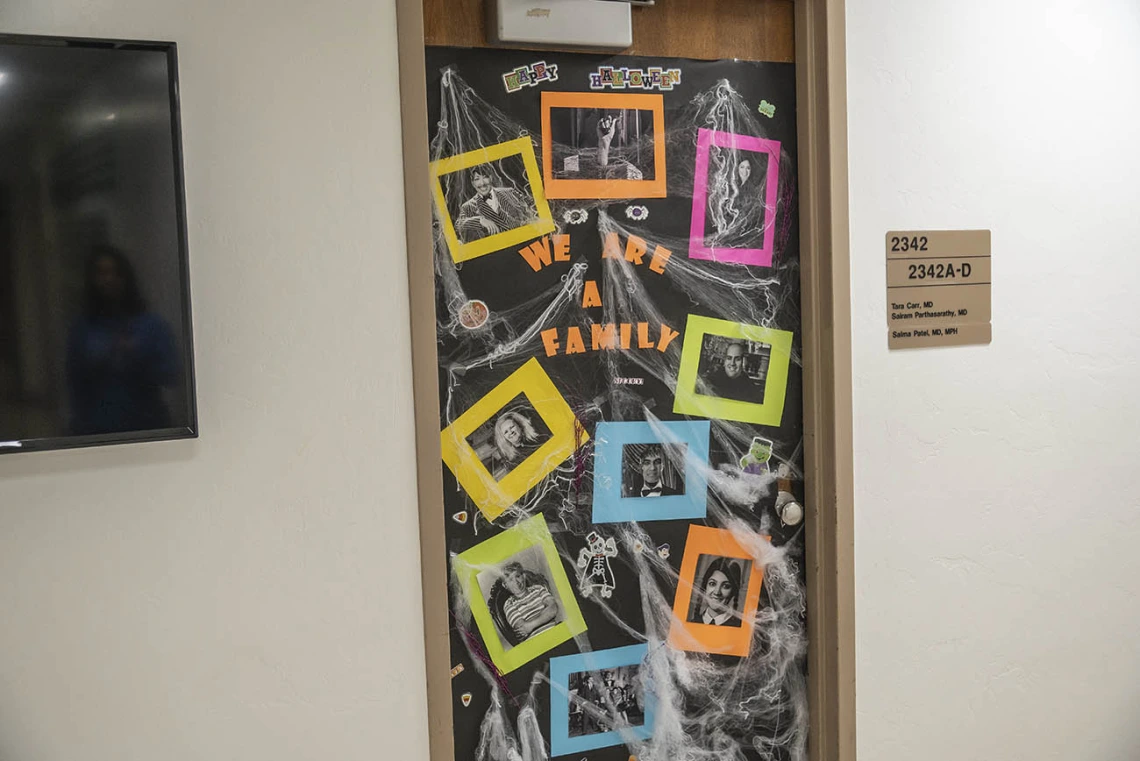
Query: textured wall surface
x=997 y=487
x=253 y=594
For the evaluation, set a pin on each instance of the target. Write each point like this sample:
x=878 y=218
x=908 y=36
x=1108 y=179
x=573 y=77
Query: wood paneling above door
x=759 y=30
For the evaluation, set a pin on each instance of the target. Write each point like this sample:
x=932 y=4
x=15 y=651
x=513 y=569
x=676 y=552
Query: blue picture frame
x=561 y=743
x=609 y=504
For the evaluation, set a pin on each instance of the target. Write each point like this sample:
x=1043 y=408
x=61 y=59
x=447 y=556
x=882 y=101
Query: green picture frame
x=467 y=566
x=689 y=401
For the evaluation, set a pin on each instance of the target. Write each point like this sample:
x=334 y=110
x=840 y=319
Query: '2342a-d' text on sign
x=938 y=288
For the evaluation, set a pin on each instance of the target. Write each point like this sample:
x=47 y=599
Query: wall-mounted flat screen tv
x=95 y=339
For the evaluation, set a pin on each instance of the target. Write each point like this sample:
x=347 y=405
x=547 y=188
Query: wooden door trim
x=821 y=95
x=825 y=281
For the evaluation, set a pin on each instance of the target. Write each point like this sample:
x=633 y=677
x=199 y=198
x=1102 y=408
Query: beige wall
x=253 y=594
x=997 y=490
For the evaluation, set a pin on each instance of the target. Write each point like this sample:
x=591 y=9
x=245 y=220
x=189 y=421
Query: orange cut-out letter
x=550 y=341
x=643 y=341
x=611 y=248
x=561 y=248
x=574 y=344
x=634 y=249
x=590 y=296
x=537 y=254
x=602 y=336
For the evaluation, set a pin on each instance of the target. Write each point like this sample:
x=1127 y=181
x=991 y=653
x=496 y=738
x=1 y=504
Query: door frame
x=821 y=91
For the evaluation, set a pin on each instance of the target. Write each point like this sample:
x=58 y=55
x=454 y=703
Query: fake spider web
x=708 y=707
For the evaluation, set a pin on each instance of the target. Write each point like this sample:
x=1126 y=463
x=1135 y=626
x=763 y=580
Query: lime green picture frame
x=460 y=251
x=468 y=565
x=687 y=401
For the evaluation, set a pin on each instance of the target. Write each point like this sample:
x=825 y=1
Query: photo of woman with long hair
x=718 y=601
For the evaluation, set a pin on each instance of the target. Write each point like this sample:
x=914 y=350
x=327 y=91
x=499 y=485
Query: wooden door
x=751 y=30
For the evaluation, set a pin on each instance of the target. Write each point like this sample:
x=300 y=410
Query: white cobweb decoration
x=709 y=708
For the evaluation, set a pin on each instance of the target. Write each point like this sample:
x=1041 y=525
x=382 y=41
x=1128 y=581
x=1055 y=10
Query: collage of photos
x=548 y=590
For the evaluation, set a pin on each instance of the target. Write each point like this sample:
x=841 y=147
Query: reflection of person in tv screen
x=522 y=604
x=120 y=356
x=720 y=589
x=653 y=473
x=514 y=439
x=729 y=381
x=493 y=209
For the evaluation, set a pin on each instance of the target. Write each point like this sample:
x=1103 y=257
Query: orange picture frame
x=605 y=189
x=707 y=638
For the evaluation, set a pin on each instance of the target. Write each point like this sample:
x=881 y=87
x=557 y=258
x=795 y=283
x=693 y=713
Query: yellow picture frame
x=462 y=252
x=567 y=436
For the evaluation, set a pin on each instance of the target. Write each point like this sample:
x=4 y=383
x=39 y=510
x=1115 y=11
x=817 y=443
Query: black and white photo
x=602 y=144
x=653 y=469
x=733 y=368
x=509 y=437
x=489 y=198
x=735 y=212
x=719 y=590
x=522 y=597
x=606 y=700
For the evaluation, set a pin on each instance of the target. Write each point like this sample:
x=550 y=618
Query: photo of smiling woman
x=718 y=600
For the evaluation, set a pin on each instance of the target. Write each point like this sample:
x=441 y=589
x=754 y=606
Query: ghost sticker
x=595 y=575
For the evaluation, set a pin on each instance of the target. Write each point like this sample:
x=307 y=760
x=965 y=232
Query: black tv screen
x=95 y=341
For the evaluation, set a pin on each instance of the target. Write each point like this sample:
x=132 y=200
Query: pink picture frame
x=706 y=139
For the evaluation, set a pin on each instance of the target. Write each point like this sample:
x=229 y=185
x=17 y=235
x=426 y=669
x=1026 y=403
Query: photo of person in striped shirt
x=521 y=601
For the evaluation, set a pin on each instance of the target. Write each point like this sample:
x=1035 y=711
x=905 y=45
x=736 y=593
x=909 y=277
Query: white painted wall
x=997 y=490
x=254 y=594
